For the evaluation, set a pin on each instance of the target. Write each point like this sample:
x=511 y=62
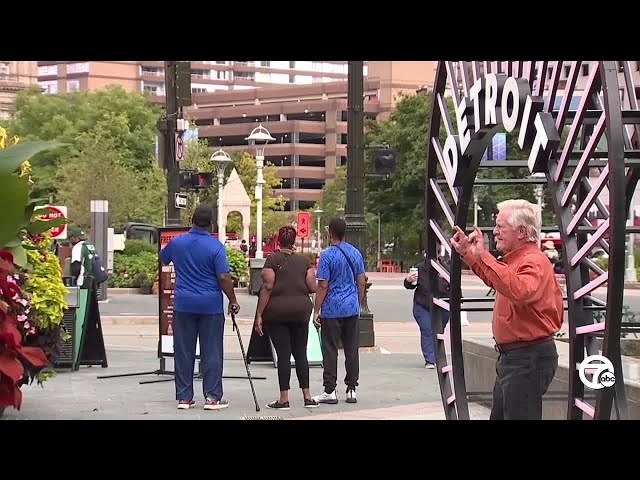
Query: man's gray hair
x=524 y=214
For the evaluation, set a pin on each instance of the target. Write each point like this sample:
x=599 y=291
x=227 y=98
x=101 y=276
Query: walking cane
x=244 y=357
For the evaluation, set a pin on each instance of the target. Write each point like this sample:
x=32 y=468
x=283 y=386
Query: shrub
x=238 y=263
x=134 y=271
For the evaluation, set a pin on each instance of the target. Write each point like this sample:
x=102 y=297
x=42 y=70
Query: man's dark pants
x=523 y=377
x=346 y=330
x=187 y=327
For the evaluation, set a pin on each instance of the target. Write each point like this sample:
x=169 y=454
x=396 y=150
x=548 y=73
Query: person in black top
x=284 y=313
x=421 y=309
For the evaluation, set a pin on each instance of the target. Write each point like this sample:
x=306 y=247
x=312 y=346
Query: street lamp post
x=259 y=137
x=379 y=237
x=318 y=211
x=220 y=160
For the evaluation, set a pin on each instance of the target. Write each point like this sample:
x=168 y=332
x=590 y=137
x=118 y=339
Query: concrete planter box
x=480 y=374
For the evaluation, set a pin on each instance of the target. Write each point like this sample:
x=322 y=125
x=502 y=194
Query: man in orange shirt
x=528 y=308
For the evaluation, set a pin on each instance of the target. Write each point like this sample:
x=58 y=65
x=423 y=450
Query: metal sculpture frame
x=599 y=114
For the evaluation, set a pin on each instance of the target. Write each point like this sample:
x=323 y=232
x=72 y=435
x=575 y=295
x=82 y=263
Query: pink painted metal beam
x=592 y=196
x=585 y=407
x=577 y=122
x=588 y=245
x=442 y=304
x=440 y=234
x=567 y=95
x=441 y=270
x=442 y=201
x=596 y=327
x=591 y=286
x=579 y=172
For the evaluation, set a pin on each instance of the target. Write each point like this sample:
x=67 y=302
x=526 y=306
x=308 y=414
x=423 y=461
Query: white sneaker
x=324 y=397
x=351 y=395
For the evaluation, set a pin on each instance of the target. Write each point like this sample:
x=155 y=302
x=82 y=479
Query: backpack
x=93 y=266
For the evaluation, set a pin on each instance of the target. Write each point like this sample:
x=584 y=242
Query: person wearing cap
x=78 y=238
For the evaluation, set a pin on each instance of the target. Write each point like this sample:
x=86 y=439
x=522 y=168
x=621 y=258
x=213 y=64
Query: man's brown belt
x=507 y=347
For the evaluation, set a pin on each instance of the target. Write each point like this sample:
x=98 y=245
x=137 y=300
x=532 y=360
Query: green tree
x=128 y=118
x=333 y=197
x=400 y=198
x=95 y=170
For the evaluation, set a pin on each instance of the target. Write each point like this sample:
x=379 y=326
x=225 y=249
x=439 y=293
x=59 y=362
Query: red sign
x=304 y=224
x=166 y=288
x=53 y=212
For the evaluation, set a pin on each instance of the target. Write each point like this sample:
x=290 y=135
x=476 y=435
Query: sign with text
x=54 y=212
x=304 y=224
x=166 y=291
x=181 y=200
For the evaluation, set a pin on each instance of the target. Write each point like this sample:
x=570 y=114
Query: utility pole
x=169 y=160
x=354 y=210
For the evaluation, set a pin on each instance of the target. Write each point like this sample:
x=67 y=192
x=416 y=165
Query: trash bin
x=255 y=279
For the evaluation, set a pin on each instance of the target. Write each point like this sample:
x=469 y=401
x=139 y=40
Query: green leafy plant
x=48 y=292
x=24 y=352
x=17 y=218
x=134 y=271
x=238 y=264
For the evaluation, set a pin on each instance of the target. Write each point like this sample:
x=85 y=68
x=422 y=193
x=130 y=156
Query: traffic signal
x=192 y=180
x=186 y=179
x=385 y=161
x=203 y=180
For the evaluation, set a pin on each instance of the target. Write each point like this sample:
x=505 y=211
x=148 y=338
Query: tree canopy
x=128 y=119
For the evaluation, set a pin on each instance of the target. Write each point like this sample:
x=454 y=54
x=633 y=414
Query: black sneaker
x=278 y=406
x=311 y=403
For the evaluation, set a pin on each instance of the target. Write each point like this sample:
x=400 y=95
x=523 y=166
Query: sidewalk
x=141 y=334
x=392 y=387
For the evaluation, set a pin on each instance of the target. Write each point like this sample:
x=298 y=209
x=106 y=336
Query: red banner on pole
x=304 y=224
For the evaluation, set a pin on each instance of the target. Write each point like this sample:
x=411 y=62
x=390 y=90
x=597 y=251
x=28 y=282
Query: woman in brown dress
x=284 y=311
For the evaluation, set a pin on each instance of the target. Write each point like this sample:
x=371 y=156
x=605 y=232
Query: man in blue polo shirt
x=341 y=288
x=202 y=274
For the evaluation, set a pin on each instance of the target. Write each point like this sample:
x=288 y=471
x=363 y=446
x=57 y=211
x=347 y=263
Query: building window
x=198 y=90
x=47 y=70
x=78 y=67
x=250 y=76
x=5 y=71
x=585 y=69
x=153 y=71
x=265 y=63
x=50 y=87
x=73 y=86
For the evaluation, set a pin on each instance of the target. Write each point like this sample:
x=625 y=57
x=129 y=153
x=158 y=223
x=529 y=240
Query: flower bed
x=32 y=294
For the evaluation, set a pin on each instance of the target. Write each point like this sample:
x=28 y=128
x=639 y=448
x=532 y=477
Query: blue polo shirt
x=342 y=296
x=198 y=258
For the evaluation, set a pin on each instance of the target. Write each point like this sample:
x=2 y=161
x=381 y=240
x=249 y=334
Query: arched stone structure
x=601 y=133
x=236 y=199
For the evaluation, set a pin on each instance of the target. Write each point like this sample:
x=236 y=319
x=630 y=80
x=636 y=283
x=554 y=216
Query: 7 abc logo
x=602 y=369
